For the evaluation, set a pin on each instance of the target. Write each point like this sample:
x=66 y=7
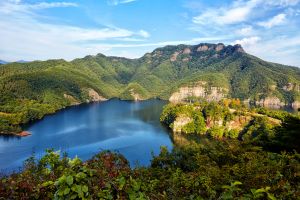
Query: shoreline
x=24 y=133
x=19 y=134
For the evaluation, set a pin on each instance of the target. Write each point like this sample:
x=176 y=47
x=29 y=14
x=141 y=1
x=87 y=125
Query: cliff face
x=136 y=96
x=94 y=96
x=274 y=102
x=270 y=102
x=71 y=99
x=200 y=90
x=291 y=87
x=296 y=104
x=180 y=122
x=238 y=122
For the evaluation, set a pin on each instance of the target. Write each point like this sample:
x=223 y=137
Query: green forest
x=31 y=90
x=208 y=161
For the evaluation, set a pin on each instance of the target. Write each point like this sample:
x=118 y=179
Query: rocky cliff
x=199 y=90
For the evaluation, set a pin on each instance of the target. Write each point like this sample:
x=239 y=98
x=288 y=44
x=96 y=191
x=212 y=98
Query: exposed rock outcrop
x=185 y=59
x=180 y=122
x=220 y=47
x=238 y=48
x=270 y=102
x=24 y=134
x=203 y=48
x=273 y=87
x=238 y=123
x=136 y=96
x=296 y=104
x=71 y=99
x=157 y=53
x=94 y=96
x=199 y=90
x=174 y=56
x=291 y=87
x=187 y=51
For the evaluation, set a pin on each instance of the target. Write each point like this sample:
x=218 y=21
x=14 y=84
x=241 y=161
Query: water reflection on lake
x=132 y=128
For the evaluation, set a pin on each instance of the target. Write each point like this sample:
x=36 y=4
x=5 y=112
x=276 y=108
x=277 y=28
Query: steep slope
x=212 y=71
x=218 y=71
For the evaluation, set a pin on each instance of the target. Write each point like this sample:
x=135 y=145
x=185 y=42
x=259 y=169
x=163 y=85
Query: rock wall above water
x=94 y=96
x=199 y=90
x=180 y=122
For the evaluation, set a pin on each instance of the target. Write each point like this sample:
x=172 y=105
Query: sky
x=68 y=29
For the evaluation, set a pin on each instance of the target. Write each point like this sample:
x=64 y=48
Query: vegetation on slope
x=134 y=91
x=43 y=87
x=229 y=119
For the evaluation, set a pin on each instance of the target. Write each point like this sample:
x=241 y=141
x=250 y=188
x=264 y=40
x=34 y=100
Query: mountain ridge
x=174 y=72
x=2 y=62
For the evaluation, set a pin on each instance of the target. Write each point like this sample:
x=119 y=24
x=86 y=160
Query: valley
x=211 y=71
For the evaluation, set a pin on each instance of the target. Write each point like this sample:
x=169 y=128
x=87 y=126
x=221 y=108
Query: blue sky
x=44 y=29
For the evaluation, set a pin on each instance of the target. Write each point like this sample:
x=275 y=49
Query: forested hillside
x=211 y=71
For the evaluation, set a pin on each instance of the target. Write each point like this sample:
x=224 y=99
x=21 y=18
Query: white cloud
x=245 y=42
x=23 y=36
x=236 y=13
x=245 y=31
x=274 y=21
x=282 y=3
x=144 y=33
x=11 y=6
x=44 y=5
x=159 y=44
x=43 y=41
x=117 y=2
x=130 y=39
x=241 y=11
x=284 y=49
x=127 y=1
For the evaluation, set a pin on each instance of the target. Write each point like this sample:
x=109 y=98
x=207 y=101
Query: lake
x=131 y=128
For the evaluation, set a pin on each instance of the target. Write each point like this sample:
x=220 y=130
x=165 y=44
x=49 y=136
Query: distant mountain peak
x=200 y=52
x=2 y=62
x=218 y=48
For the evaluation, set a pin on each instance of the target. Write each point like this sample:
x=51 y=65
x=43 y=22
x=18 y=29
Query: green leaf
x=74 y=188
x=271 y=196
x=85 y=188
x=79 y=190
x=226 y=187
x=48 y=183
x=237 y=183
x=69 y=180
x=60 y=193
x=136 y=186
x=66 y=191
x=74 y=196
x=80 y=175
x=122 y=182
x=261 y=190
x=61 y=179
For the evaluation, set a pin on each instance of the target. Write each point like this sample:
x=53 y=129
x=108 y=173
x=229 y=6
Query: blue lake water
x=131 y=128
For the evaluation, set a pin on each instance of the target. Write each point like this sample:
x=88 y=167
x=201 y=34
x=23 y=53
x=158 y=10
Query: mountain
x=22 y=61
x=2 y=62
x=212 y=71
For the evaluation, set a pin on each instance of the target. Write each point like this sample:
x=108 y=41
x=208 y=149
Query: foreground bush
x=205 y=170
